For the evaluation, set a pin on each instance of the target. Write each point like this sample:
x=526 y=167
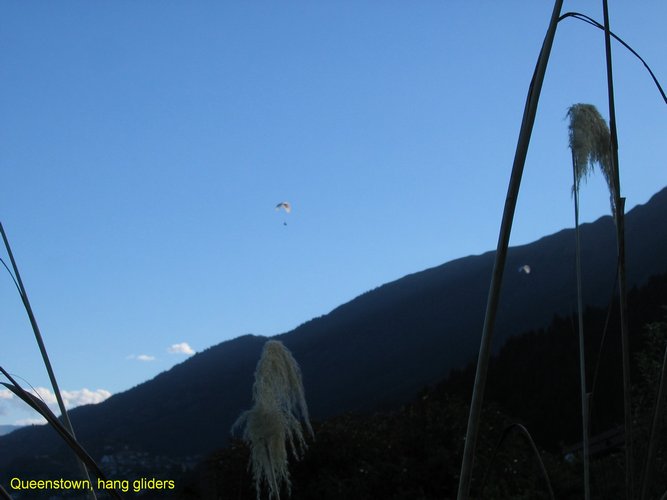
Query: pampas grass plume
x=590 y=142
x=275 y=419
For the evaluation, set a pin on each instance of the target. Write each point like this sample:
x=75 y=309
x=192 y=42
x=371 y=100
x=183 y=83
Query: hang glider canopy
x=285 y=205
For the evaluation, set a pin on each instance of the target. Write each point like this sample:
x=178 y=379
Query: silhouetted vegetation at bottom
x=415 y=451
x=411 y=453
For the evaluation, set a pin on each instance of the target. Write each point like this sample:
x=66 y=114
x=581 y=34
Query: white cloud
x=41 y=392
x=142 y=357
x=45 y=395
x=5 y=396
x=72 y=399
x=182 y=348
x=84 y=397
x=30 y=421
x=9 y=403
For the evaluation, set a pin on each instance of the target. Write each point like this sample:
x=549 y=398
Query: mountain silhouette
x=373 y=352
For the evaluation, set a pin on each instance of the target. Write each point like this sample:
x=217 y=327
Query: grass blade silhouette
x=527 y=122
x=618 y=209
x=40 y=343
x=40 y=407
x=593 y=22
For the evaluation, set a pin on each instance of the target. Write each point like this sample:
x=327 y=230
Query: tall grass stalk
x=582 y=357
x=275 y=419
x=589 y=144
x=529 y=112
x=618 y=209
x=42 y=348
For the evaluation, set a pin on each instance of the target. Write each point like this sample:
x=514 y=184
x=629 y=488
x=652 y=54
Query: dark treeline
x=535 y=377
x=414 y=452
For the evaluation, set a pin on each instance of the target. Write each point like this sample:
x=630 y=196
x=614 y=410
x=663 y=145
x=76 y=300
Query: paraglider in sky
x=525 y=269
x=285 y=205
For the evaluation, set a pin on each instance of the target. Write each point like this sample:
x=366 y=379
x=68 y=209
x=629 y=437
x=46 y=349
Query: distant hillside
x=374 y=351
x=414 y=450
x=6 y=429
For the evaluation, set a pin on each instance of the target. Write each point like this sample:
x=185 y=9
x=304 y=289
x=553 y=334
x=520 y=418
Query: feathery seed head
x=590 y=142
x=274 y=420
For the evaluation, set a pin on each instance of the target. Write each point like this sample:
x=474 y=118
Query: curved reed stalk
x=16 y=276
x=38 y=336
x=524 y=432
x=40 y=407
x=593 y=22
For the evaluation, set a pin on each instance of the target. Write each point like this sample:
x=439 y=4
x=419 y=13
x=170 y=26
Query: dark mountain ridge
x=414 y=450
x=374 y=351
x=6 y=429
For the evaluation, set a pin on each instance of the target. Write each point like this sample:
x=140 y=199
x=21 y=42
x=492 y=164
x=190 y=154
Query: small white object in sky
x=182 y=348
x=285 y=205
x=141 y=357
x=525 y=269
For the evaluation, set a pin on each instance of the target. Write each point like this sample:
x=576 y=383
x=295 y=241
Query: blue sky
x=144 y=145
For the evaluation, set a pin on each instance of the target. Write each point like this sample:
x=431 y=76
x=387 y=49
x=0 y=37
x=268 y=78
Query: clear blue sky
x=144 y=145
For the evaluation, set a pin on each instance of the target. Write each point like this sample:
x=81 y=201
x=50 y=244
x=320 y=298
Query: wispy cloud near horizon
x=30 y=421
x=141 y=357
x=182 y=348
x=72 y=399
